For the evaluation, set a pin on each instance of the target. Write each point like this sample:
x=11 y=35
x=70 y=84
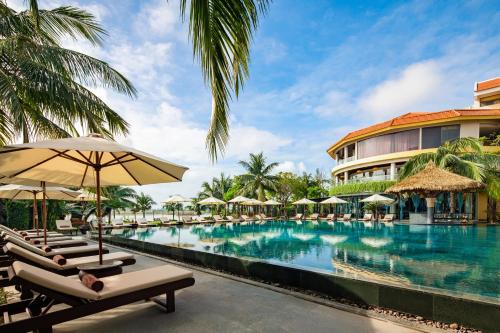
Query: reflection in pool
x=462 y=259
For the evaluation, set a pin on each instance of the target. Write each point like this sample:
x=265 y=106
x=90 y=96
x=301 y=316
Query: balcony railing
x=345 y=160
x=371 y=178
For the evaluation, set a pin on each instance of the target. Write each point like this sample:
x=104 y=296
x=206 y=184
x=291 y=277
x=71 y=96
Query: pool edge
x=434 y=306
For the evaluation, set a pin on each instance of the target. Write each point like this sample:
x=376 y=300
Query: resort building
x=377 y=152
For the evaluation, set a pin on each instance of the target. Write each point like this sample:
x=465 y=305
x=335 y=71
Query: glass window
x=433 y=137
x=389 y=143
x=450 y=133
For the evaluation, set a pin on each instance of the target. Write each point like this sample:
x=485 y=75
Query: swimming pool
x=463 y=260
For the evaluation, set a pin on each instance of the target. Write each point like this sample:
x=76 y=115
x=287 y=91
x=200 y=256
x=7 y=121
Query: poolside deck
x=219 y=304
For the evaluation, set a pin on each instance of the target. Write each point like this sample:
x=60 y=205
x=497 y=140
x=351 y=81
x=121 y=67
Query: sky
x=319 y=69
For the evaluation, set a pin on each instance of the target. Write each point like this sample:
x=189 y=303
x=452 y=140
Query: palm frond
x=221 y=32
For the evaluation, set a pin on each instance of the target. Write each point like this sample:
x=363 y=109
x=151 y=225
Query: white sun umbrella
x=252 y=202
x=24 y=192
x=304 y=202
x=272 y=203
x=239 y=199
x=87 y=161
x=176 y=199
x=333 y=201
x=211 y=201
x=378 y=199
x=89 y=196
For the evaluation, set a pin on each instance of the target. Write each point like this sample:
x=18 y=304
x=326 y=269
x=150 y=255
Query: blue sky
x=319 y=69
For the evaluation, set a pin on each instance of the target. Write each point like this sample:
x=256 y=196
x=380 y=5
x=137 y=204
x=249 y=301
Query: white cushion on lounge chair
x=113 y=285
x=70 y=262
x=62 y=251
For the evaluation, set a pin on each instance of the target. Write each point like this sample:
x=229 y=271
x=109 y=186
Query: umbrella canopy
x=177 y=199
x=89 y=196
x=22 y=192
x=303 y=201
x=252 y=202
x=333 y=200
x=25 y=192
x=74 y=161
x=432 y=180
x=87 y=161
x=211 y=201
x=378 y=198
x=239 y=199
x=272 y=203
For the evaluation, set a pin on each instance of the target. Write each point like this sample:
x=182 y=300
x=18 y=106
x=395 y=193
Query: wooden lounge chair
x=388 y=218
x=50 y=238
x=66 y=252
x=52 y=242
x=94 y=225
x=119 y=290
x=265 y=218
x=312 y=217
x=65 y=226
x=118 y=223
x=297 y=217
x=346 y=217
x=16 y=252
x=232 y=219
x=219 y=219
x=246 y=218
x=329 y=217
x=366 y=217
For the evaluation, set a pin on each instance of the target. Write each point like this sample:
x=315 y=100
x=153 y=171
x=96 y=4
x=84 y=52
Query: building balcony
x=370 y=179
x=345 y=160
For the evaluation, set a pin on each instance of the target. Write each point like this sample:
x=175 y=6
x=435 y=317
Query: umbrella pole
x=98 y=210
x=35 y=213
x=44 y=213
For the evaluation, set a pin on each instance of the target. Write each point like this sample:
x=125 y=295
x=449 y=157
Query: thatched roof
x=434 y=180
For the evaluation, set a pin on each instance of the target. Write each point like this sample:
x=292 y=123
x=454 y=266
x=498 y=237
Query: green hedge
x=19 y=214
x=365 y=187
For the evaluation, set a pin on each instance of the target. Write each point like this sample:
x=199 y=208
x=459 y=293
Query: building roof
x=413 y=119
x=488 y=84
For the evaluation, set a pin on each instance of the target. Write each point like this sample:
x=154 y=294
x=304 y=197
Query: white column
x=420 y=138
x=336 y=180
x=345 y=153
x=346 y=177
x=393 y=171
x=356 y=150
x=431 y=203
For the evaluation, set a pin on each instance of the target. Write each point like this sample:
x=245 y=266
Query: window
x=433 y=137
x=389 y=143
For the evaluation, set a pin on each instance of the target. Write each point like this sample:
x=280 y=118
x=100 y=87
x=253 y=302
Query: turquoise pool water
x=459 y=259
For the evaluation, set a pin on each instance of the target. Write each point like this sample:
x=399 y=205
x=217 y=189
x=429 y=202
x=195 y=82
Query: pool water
x=463 y=260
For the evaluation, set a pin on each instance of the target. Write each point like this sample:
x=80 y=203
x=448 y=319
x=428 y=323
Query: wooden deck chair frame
x=42 y=321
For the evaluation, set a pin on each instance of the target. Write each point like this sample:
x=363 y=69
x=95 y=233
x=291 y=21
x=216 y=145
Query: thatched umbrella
x=431 y=181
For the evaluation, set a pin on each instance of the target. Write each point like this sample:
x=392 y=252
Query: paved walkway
x=218 y=304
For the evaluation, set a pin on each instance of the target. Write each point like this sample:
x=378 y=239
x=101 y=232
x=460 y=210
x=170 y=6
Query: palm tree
x=221 y=32
x=43 y=85
x=217 y=188
x=463 y=156
x=119 y=198
x=144 y=202
x=258 y=178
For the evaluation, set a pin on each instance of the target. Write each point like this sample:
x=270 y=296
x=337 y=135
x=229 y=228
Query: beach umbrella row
x=84 y=162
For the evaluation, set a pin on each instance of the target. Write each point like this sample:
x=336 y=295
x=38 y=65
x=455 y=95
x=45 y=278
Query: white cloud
x=291 y=166
x=271 y=50
x=159 y=19
x=408 y=92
